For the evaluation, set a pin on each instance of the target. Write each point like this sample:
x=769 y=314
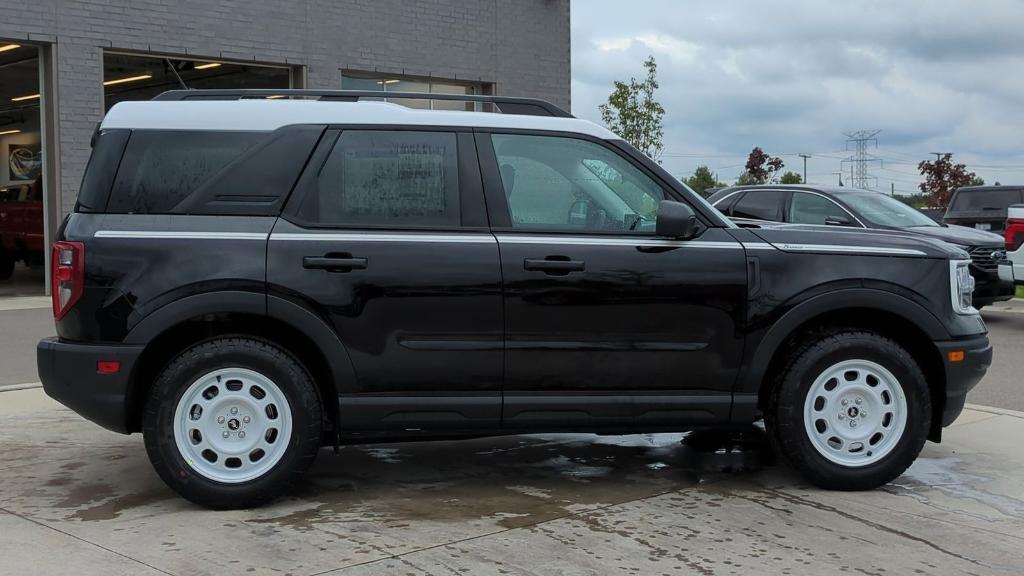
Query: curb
x=25 y=386
x=993 y=410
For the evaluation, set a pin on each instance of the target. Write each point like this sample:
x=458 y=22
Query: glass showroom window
x=391 y=83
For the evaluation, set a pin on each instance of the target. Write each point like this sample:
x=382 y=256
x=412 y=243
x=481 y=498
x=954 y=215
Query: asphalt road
x=1003 y=386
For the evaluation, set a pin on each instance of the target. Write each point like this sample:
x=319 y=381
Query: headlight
x=961 y=286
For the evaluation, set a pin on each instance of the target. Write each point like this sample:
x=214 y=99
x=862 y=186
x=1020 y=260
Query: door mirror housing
x=676 y=220
x=837 y=221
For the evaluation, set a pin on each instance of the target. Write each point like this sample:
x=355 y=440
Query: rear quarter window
x=160 y=168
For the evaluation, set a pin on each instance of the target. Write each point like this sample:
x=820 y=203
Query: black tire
x=784 y=417
x=232 y=352
x=6 y=265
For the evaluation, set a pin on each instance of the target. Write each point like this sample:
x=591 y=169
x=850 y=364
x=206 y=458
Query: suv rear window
x=161 y=168
x=970 y=200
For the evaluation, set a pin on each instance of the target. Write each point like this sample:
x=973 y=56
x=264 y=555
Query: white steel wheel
x=232 y=425
x=855 y=413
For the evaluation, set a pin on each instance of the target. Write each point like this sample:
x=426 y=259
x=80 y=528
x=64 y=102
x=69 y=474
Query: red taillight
x=67 y=266
x=108 y=367
x=1014 y=234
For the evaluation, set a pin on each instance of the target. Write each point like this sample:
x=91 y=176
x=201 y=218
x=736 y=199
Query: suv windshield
x=883 y=210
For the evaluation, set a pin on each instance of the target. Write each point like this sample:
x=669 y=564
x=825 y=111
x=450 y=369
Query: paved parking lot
x=76 y=498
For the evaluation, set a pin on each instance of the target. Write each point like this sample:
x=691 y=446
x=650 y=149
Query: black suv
x=245 y=280
x=853 y=208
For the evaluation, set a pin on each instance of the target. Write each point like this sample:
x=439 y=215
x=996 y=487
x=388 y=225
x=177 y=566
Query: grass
x=1020 y=291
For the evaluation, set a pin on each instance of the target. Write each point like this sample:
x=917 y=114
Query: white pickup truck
x=1012 y=268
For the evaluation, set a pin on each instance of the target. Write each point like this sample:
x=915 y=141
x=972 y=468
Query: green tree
x=702 y=180
x=942 y=177
x=634 y=114
x=913 y=200
x=760 y=168
x=791 y=178
x=977 y=181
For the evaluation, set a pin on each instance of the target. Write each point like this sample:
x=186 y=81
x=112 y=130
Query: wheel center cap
x=233 y=424
x=853 y=412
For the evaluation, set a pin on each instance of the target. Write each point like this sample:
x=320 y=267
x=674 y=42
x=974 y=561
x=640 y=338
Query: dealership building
x=63 y=63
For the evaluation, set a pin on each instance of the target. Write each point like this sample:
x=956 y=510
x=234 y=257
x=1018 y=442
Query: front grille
x=982 y=257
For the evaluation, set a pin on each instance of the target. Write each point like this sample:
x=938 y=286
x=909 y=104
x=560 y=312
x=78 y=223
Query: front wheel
x=232 y=422
x=851 y=410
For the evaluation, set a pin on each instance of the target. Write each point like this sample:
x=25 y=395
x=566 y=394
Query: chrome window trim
x=179 y=235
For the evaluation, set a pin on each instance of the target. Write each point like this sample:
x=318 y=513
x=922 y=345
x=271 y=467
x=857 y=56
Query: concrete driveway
x=74 y=498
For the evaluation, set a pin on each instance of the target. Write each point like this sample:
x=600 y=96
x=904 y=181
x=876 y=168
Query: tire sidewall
x=801 y=377
x=201 y=359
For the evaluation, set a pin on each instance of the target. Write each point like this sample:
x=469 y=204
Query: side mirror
x=676 y=220
x=837 y=221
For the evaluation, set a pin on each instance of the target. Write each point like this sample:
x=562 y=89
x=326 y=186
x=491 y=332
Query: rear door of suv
x=386 y=238
x=606 y=324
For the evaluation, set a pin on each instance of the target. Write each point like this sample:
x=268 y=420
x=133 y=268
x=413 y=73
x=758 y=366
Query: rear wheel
x=232 y=423
x=850 y=410
x=6 y=265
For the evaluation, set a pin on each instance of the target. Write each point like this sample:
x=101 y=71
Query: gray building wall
x=522 y=46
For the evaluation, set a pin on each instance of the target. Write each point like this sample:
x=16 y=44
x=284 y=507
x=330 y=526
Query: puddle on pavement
x=950 y=476
x=515 y=481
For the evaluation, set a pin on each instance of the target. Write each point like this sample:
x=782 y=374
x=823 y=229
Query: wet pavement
x=75 y=496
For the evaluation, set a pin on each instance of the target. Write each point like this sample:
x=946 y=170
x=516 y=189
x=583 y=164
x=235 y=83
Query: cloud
x=792 y=75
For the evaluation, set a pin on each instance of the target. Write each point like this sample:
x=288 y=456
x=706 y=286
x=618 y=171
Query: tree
x=760 y=168
x=745 y=179
x=977 y=181
x=791 y=178
x=634 y=114
x=702 y=180
x=942 y=178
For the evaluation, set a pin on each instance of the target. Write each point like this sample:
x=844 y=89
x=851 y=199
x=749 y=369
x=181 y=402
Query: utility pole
x=939 y=155
x=860 y=158
x=840 y=174
x=892 y=188
x=805 y=157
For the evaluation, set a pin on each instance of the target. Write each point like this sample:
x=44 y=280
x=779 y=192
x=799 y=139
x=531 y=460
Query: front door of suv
x=386 y=238
x=606 y=324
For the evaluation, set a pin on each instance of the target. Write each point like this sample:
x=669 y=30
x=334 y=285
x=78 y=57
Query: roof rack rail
x=504 y=104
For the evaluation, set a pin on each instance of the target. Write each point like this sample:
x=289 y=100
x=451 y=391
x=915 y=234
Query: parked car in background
x=982 y=207
x=853 y=208
x=21 y=227
x=1012 y=269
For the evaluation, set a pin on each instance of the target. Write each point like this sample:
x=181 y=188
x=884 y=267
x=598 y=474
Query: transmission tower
x=860 y=159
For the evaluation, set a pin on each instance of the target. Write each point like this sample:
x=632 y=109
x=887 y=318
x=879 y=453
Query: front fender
x=762 y=352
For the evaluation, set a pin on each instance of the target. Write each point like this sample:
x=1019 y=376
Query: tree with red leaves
x=942 y=178
x=760 y=167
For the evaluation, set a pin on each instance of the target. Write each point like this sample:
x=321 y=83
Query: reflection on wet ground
x=520 y=480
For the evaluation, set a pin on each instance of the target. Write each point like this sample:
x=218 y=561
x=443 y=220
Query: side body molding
x=750 y=378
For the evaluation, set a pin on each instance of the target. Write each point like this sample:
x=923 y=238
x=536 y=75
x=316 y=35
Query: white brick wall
x=520 y=45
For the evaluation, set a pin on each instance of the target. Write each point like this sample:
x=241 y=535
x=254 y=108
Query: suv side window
x=765 y=205
x=569 y=184
x=388 y=178
x=813 y=209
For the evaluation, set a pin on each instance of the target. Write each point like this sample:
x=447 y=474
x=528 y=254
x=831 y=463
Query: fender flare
x=751 y=378
x=298 y=317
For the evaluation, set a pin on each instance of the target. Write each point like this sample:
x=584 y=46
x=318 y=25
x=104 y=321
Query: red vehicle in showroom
x=21 y=227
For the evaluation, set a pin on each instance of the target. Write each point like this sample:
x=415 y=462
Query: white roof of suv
x=268 y=115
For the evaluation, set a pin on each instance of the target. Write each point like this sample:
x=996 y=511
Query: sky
x=791 y=76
